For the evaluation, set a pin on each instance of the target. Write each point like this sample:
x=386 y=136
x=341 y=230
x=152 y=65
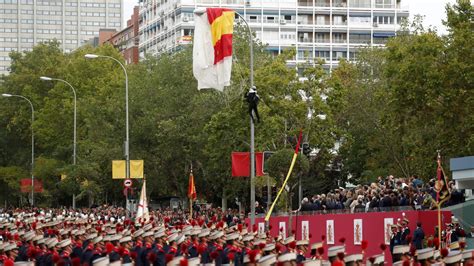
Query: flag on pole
x=293 y=161
x=191 y=187
x=212 y=47
x=142 y=211
x=441 y=185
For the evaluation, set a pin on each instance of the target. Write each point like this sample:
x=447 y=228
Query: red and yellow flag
x=222 y=27
x=212 y=47
x=191 y=187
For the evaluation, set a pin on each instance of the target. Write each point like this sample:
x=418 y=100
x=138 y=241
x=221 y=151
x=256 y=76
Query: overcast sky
x=433 y=10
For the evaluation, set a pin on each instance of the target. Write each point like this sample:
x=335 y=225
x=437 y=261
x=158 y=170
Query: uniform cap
x=103 y=261
x=267 y=260
x=269 y=247
x=9 y=247
x=115 y=237
x=204 y=233
x=194 y=261
x=401 y=249
x=312 y=262
x=302 y=242
x=172 y=237
x=467 y=254
x=180 y=239
x=64 y=243
x=247 y=238
x=453 y=257
x=332 y=251
x=138 y=233
x=91 y=236
x=147 y=234
x=232 y=236
x=424 y=254
x=316 y=245
x=147 y=227
x=52 y=242
x=159 y=234
x=125 y=239
x=353 y=258
x=287 y=257
x=97 y=239
x=288 y=240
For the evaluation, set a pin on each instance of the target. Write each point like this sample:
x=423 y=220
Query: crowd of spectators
x=385 y=194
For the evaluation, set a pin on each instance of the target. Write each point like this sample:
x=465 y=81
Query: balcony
x=303 y=3
x=321 y=3
x=339 y=3
x=322 y=40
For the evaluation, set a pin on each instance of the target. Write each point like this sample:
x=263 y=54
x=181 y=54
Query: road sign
x=127 y=183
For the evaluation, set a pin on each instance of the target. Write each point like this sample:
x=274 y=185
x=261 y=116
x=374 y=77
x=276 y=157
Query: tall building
x=318 y=29
x=126 y=40
x=25 y=23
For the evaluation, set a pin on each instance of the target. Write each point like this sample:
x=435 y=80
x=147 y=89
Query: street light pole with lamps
x=127 y=135
x=32 y=144
x=75 y=125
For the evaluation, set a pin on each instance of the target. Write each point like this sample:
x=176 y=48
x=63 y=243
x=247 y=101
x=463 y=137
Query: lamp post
x=75 y=125
x=127 y=135
x=32 y=144
x=127 y=138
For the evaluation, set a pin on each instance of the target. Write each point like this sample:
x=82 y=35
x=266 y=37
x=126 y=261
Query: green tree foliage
x=388 y=113
x=397 y=106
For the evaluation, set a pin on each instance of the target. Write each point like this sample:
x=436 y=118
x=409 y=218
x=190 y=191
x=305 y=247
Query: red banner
x=25 y=185
x=353 y=227
x=241 y=164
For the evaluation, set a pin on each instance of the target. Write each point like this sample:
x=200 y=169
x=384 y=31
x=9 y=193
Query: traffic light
x=306 y=149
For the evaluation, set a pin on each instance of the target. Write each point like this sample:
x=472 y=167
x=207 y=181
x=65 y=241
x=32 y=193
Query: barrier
x=354 y=227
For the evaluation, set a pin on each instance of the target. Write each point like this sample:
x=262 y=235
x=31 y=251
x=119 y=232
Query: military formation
x=72 y=238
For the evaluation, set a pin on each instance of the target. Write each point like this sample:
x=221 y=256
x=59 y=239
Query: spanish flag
x=212 y=47
x=191 y=187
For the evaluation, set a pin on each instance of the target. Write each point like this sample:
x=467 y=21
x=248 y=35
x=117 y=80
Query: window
x=7 y=11
x=359 y=3
x=359 y=20
x=384 y=4
x=339 y=38
x=27 y=40
x=336 y=55
x=320 y=20
x=338 y=20
x=29 y=12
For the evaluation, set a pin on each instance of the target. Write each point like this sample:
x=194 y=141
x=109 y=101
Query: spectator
x=418 y=236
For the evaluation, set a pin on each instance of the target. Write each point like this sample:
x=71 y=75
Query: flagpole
x=439 y=224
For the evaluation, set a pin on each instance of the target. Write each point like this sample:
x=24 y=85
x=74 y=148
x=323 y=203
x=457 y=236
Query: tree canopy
x=386 y=113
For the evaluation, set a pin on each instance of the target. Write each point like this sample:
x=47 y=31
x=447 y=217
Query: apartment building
x=25 y=23
x=317 y=29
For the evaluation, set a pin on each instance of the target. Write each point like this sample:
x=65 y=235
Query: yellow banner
x=269 y=213
x=136 y=168
x=118 y=169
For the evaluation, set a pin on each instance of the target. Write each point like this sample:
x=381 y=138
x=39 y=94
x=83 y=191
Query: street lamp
x=75 y=125
x=32 y=144
x=127 y=138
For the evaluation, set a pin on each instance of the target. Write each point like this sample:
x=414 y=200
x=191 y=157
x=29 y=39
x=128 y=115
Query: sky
x=433 y=10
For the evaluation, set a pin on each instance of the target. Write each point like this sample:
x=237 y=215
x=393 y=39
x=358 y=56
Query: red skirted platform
x=370 y=225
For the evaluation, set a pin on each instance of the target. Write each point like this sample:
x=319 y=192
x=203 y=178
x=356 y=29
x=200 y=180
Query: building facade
x=126 y=40
x=25 y=23
x=317 y=29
